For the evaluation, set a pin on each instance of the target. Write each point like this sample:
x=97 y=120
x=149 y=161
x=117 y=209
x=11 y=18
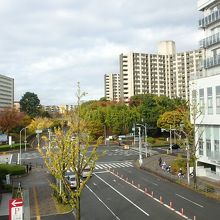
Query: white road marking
x=103 y=203
x=99 y=167
x=106 y=165
x=122 y=195
x=104 y=171
x=190 y=201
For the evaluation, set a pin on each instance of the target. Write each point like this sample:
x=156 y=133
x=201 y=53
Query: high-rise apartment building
x=112 y=86
x=206 y=91
x=165 y=73
x=6 y=92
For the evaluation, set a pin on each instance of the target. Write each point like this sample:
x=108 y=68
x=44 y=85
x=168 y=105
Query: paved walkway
x=4 y=204
x=151 y=164
x=40 y=194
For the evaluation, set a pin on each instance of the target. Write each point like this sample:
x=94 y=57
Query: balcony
x=201 y=4
x=209 y=41
x=206 y=21
x=212 y=62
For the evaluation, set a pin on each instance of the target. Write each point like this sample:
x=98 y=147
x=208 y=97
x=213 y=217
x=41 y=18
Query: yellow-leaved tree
x=71 y=149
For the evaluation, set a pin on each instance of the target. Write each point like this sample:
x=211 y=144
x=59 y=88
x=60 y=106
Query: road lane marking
x=122 y=195
x=104 y=171
x=189 y=200
x=36 y=204
x=150 y=195
x=102 y=202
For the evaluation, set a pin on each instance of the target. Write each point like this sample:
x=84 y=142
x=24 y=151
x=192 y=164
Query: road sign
x=16 y=209
x=38 y=131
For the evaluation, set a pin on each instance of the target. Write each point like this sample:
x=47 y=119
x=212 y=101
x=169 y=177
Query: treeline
x=119 y=118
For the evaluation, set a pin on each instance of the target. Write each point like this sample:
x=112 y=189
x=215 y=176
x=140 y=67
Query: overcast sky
x=49 y=45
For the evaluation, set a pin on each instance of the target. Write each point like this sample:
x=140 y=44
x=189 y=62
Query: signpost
x=16 y=209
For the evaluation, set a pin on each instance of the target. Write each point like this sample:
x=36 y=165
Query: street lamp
x=145 y=137
x=105 y=135
x=20 y=143
x=140 y=147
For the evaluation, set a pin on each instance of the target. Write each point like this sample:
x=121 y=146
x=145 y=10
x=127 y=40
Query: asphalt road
x=110 y=196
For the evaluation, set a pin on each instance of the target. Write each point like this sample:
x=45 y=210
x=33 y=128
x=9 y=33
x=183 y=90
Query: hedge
x=14 y=147
x=11 y=169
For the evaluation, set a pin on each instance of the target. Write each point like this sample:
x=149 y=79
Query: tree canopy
x=30 y=103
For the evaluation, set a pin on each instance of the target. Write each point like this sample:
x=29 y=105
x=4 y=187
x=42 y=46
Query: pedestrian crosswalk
x=102 y=166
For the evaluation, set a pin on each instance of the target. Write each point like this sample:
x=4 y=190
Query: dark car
x=175 y=146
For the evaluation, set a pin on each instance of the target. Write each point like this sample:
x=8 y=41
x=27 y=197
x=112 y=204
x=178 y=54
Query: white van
x=86 y=171
x=72 y=181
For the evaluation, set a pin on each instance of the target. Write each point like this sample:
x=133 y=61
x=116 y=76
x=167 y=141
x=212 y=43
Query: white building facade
x=6 y=92
x=112 y=86
x=207 y=92
x=165 y=73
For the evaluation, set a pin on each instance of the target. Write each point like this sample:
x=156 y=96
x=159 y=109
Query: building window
x=209 y=101
x=208 y=147
x=200 y=147
x=201 y=101
x=216 y=152
x=217 y=99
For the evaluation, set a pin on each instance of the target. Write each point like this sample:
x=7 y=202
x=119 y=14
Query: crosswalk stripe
x=117 y=165
x=111 y=165
x=101 y=166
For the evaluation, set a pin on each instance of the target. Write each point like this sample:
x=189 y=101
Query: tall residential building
x=112 y=86
x=165 y=73
x=206 y=91
x=6 y=92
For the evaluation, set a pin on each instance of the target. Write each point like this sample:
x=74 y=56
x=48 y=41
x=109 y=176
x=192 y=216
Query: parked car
x=68 y=173
x=175 y=146
x=86 y=171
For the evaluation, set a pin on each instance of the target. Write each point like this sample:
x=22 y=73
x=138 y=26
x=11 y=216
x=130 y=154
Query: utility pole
x=140 y=147
x=171 y=150
x=187 y=160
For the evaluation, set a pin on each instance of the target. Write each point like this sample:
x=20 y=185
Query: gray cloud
x=47 y=46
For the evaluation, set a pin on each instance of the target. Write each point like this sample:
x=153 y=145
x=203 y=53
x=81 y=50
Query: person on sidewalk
x=160 y=161
x=180 y=173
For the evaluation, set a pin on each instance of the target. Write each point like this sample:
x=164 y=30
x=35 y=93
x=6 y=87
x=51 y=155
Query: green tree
x=30 y=104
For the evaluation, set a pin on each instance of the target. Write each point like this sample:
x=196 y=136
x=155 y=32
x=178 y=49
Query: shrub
x=11 y=169
x=209 y=189
x=178 y=163
x=14 y=146
x=151 y=140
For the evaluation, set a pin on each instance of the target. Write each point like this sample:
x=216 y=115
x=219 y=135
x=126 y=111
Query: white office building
x=112 y=86
x=207 y=92
x=6 y=92
x=165 y=73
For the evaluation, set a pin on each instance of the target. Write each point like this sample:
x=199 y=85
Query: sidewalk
x=38 y=191
x=151 y=164
x=4 y=204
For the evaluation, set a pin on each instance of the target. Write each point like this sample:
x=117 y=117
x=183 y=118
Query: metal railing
x=207 y=20
x=211 y=40
x=212 y=62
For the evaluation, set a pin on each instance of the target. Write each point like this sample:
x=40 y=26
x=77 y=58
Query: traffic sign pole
x=16 y=209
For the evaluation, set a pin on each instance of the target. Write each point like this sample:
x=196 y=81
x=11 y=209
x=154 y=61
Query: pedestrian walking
x=27 y=168
x=180 y=173
x=30 y=166
x=160 y=161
